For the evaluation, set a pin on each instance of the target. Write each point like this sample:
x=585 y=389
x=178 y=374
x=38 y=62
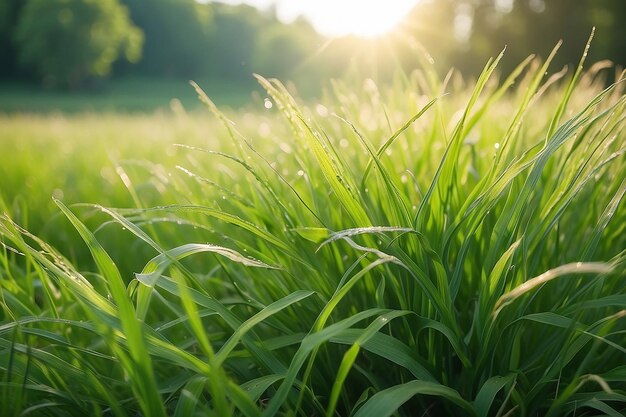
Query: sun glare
x=365 y=18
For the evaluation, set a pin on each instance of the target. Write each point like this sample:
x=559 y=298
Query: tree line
x=72 y=43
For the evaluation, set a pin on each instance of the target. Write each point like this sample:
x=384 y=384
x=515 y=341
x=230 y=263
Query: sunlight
x=365 y=18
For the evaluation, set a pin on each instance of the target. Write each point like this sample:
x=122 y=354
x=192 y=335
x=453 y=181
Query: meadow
x=436 y=246
x=126 y=95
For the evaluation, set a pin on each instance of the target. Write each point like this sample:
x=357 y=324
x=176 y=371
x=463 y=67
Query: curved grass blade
x=262 y=315
x=350 y=356
x=573 y=268
x=393 y=137
x=484 y=399
x=389 y=348
x=310 y=343
x=143 y=382
x=386 y=402
x=157 y=265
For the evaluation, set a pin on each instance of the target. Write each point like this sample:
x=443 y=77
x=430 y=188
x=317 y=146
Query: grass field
x=432 y=247
x=123 y=95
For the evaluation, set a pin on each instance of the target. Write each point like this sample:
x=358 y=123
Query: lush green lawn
x=122 y=95
x=388 y=250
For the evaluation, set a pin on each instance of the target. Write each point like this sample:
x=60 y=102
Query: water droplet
x=321 y=110
x=300 y=173
x=267 y=103
x=264 y=129
x=496 y=145
x=284 y=146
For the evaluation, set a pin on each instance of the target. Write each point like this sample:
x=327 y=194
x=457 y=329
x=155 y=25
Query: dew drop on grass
x=496 y=145
x=284 y=146
x=267 y=103
x=264 y=129
x=344 y=143
x=58 y=194
x=321 y=110
x=300 y=172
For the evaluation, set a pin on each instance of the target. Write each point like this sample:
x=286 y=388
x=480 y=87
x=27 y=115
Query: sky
x=368 y=18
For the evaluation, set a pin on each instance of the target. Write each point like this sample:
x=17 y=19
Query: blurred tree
x=65 y=42
x=237 y=29
x=177 y=36
x=432 y=27
x=535 y=26
x=283 y=50
x=9 y=12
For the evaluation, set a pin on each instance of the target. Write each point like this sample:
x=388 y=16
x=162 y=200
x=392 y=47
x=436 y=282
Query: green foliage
x=67 y=41
x=283 y=50
x=9 y=12
x=232 y=48
x=199 y=39
x=177 y=35
x=393 y=251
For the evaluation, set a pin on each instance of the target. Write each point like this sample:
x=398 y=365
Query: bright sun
x=366 y=18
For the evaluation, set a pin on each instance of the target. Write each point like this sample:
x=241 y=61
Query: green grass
x=434 y=247
x=123 y=95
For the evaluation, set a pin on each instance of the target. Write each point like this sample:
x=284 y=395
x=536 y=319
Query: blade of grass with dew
x=157 y=265
x=147 y=393
x=333 y=176
x=564 y=270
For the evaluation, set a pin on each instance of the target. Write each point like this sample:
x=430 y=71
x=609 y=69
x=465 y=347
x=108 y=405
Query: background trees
x=9 y=14
x=66 y=42
x=177 y=36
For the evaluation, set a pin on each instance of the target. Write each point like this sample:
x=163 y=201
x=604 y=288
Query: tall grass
x=432 y=248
